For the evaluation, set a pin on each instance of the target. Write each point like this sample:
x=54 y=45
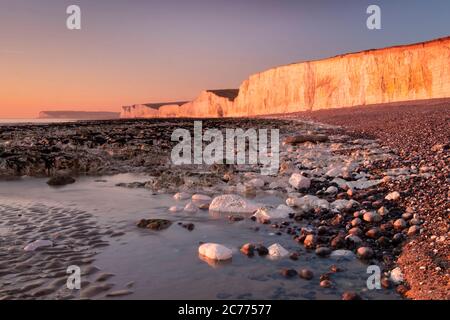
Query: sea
x=33 y=121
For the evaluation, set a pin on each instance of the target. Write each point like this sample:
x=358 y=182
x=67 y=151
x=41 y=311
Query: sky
x=140 y=51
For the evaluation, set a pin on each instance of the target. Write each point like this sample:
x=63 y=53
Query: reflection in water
x=214 y=263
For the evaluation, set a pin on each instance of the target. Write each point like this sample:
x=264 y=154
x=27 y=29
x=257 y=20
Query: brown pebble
x=334 y=268
x=373 y=233
x=288 y=273
x=351 y=296
x=355 y=231
x=338 y=242
x=364 y=252
x=326 y=284
x=386 y=283
x=383 y=241
x=401 y=289
x=413 y=230
x=306 y=274
x=399 y=224
x=248 y=249
x=310 y=241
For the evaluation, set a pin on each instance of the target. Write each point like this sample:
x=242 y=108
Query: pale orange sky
x=136 y=51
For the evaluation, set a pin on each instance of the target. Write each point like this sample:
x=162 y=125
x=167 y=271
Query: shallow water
x=165 y=264
x=12 y=122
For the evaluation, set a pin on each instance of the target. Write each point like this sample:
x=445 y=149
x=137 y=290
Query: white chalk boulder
x=277 y=251
x=201 y=197
x=308 y=202
x=231 y=203
x=393 y=196
x=256 y=183
x=190 y=207
x=396 y=276
x=215 y=251
x=176 y=208
x=299 y=182
x=341 y=204
x=181 y=196
x=265 y=214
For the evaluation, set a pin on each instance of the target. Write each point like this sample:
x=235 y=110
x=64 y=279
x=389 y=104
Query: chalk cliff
x=401 y=73
x=150 y=110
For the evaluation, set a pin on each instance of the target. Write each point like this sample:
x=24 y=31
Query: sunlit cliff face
x=418 y=71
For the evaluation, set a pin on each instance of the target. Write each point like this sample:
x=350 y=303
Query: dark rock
x=325 y=276
x=322 y=230
x=235 y=217
x=398 y=238
x=323 y=251
x=386 y=226
x=305 y=138
x=288 y=273
x=60 y=180
x=262 y=251
x=383 y=241
x=338 y=242
x=189 y=226
x=154 y=224
x=294 y=256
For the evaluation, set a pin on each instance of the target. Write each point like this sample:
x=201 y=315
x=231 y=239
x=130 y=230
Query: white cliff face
x=403 y=73
x=420 y=71
x=207 y=104
x=138 y=111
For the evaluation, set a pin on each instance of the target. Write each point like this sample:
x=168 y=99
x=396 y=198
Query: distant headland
x=79 y=115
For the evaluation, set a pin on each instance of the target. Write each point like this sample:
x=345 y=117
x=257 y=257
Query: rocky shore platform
x=367 y=183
